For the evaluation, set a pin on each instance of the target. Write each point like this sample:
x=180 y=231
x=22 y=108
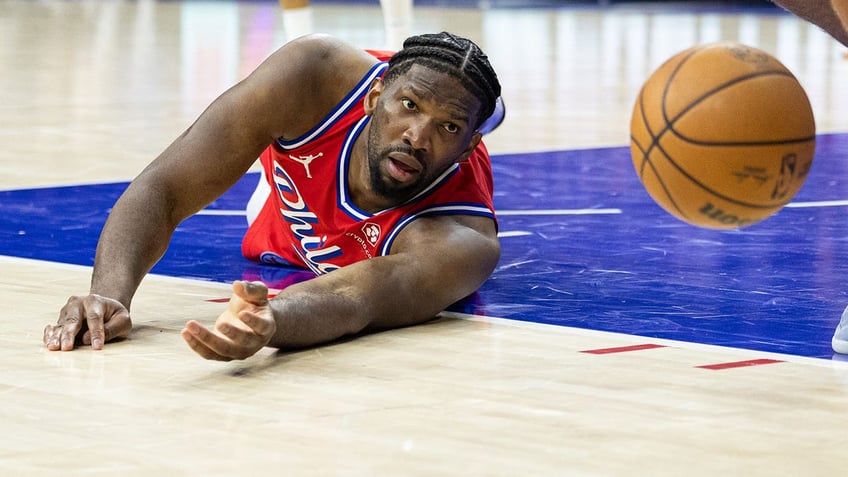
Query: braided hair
x=453 y=55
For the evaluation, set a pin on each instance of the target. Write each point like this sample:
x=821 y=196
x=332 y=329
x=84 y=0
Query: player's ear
x=373 y=95
x=472 y=144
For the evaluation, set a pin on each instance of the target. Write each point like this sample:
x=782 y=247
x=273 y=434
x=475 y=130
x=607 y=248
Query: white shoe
x=840 y=336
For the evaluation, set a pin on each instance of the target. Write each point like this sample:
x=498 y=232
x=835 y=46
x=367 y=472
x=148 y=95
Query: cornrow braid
x=456 y=56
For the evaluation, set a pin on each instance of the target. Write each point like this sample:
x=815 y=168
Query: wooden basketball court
x=92 y=91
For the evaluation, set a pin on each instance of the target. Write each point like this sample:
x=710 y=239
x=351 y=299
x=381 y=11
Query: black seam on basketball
x=635 y=142
x=735 y=81
x=742 y=143
x=645 y=152
x=665 y=189
x=714 y=192
x=646 y=158
x=655 y=138
x=670 y=127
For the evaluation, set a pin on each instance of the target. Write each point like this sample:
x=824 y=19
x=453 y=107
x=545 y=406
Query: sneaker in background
x=840 y=336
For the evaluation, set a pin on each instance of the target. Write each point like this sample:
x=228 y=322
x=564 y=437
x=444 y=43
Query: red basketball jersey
x=309 y=220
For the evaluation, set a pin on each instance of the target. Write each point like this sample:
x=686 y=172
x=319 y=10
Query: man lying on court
x=377 y=174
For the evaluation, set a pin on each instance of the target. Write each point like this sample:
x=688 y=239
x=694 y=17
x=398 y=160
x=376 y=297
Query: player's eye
x=451 y=128
x=407 y=103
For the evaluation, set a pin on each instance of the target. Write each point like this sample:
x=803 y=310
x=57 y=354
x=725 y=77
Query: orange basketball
x=722 y=135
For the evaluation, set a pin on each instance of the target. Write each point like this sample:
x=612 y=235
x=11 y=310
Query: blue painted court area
x=583 y=246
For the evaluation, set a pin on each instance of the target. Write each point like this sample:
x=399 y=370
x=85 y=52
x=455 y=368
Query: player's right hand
x=90 y=319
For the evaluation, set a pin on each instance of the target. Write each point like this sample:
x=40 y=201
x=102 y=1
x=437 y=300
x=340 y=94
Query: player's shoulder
x=305 y=79
x=332 y=54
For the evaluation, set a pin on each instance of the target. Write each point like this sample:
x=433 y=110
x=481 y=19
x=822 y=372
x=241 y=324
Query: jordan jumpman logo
x=305 y=160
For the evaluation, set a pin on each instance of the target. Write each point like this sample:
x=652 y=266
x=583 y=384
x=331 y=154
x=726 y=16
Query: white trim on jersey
x=355 y=94
x=441 y=209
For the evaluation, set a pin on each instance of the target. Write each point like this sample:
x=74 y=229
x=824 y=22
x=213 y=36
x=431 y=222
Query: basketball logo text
x=715 y=214
x=750 y=55
x=757 y=174
x=791 y=171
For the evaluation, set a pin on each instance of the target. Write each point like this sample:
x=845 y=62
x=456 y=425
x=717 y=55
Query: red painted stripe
x=622 y=349
x=740 y=364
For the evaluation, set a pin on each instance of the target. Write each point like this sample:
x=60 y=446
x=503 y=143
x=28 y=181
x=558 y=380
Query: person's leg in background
x=297 y=18
x=397 y=20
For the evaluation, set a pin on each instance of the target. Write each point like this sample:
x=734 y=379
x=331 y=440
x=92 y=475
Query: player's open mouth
x=402 y=169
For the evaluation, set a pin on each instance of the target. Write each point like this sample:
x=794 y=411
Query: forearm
x=374 y=294
x=435 y=262
x=134 y=238
x=306 y=317
x=199 y=166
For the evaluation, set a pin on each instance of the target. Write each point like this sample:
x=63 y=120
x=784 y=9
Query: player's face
x=422 y=123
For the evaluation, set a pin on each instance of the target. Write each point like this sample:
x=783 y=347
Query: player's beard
x=385 y=185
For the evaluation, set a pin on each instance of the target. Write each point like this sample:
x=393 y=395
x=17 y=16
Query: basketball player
x=832 y=17
x=379 y=183
x=397 y=19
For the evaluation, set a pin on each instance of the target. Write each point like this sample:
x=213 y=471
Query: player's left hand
x=243 y=329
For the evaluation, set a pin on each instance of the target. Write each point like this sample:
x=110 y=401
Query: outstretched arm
x=199 y=166
x=284 y=97
x=434 y=263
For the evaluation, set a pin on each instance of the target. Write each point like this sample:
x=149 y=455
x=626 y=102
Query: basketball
x=722 y=135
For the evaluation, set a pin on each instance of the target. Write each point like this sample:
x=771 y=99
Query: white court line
x=559 y=212
x=221 y=212
x=514 y=233
x=224 y=212
x=820 y=203
x=538 y=212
